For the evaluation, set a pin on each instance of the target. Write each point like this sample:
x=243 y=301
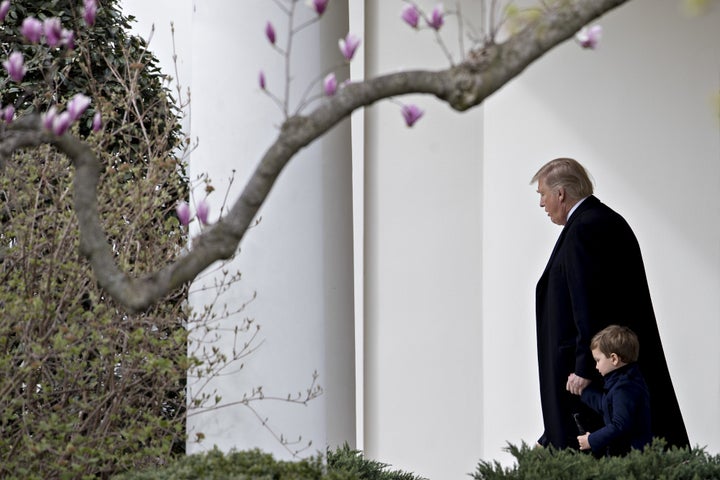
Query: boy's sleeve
x=623 y=403
x=592 y=397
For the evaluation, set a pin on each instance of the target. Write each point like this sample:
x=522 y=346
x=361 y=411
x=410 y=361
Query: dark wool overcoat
x=595 y=277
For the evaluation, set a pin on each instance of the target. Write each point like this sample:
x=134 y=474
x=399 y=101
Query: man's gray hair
x=566 y=173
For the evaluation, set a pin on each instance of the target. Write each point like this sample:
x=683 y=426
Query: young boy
x=624 y=401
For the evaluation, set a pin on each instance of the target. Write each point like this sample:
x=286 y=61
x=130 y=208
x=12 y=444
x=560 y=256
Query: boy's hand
x=583 y=441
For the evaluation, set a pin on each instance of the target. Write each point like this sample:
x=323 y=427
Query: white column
x=299 y=257
x=423 y=266
x=357 y=72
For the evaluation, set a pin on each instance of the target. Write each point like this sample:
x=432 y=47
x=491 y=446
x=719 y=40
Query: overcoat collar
x=588 y=203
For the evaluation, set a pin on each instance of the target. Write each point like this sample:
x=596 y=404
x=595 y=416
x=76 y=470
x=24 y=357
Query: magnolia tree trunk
x=463 y=86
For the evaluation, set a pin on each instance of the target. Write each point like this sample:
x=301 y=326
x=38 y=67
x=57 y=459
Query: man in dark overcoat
x=595 y=277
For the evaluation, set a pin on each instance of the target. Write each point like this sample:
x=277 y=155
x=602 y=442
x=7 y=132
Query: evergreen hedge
x=341 y=464
x=655 y=462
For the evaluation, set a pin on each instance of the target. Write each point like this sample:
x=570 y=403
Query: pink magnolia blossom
x=349 y=45
x=8 y=113
x=270 y=32
x=261 y=80
x=53 y=31
x=319 y=5
x=4 y=9
x=77 y=105
x=183 y=213
x=31 y=29
x=330 y=84
x=15 y=66
x=61 y=123
x=49 y=117
x=97 y=122
x=436 y=19
x=412 y=114
x=90 y=12
x=67 y=39
x=203 y=210
x=589 y=37
x=411 y=15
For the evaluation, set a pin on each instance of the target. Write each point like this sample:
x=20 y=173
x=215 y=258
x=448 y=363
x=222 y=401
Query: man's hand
x=576 y=384
x=583 y=441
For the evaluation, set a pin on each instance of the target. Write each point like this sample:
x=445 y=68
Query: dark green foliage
x=215 y=465
x=342 y=464
x=85 y=390
x=109 y=65
x=351 y=461
x=655 y=462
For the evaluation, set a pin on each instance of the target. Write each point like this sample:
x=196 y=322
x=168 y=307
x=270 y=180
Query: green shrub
x=85 y=389
x=341 y=464
x=655 y=462
x=350 y=462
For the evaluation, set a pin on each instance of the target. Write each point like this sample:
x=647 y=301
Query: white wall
x=637 y=112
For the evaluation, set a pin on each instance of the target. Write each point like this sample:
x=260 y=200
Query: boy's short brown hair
x=618 y=340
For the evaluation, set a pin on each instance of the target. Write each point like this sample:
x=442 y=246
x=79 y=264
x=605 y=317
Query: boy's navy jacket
x=625 y=406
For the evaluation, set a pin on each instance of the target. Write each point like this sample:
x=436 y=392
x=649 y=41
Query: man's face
x=553 y=201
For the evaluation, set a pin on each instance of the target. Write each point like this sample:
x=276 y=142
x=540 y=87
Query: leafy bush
x=655 y=462
x=110 y=65
x=85 y=389
x=341 y=464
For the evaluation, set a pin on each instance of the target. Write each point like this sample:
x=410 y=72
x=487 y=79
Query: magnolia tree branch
x=462 y=87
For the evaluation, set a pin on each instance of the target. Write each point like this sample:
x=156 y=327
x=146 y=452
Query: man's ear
x=561 y=193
